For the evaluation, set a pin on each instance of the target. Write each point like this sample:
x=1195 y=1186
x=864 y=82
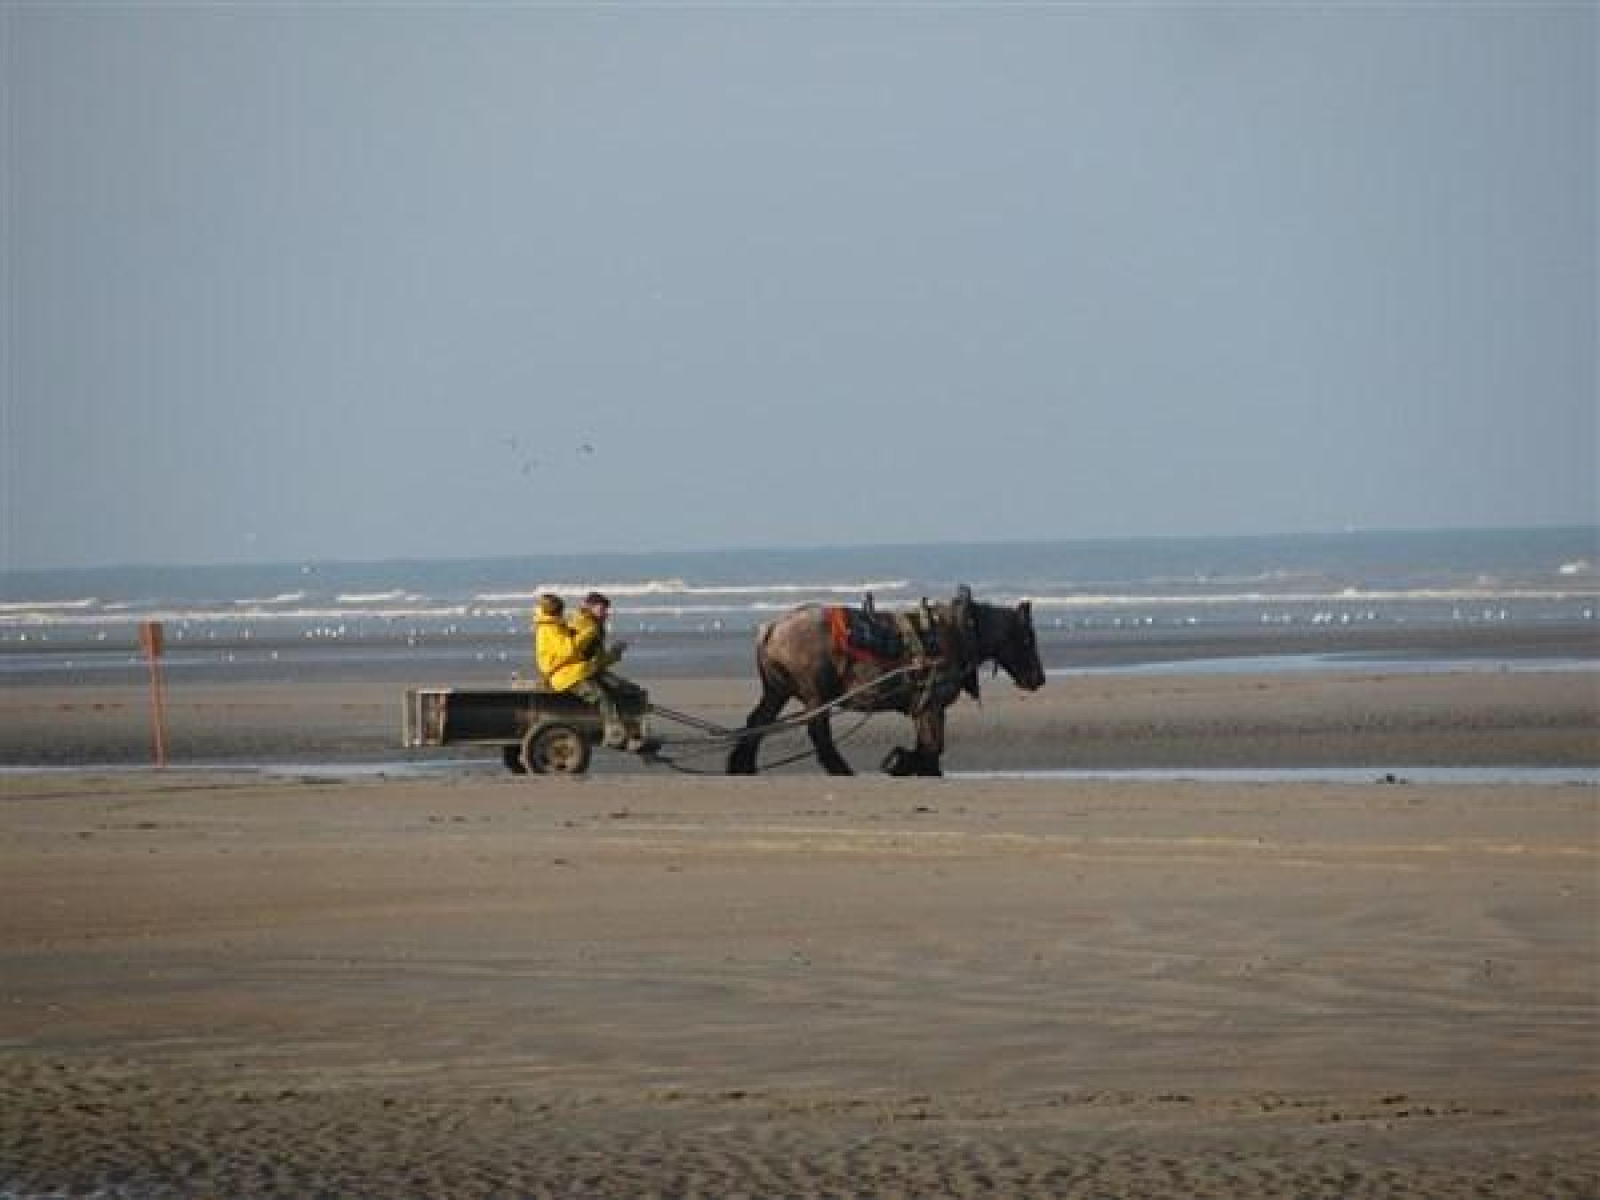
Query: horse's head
x=1007 y=638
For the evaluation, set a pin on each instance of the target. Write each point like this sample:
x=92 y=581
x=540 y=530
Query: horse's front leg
x=930 y=742
x=923 y=759
x=821 y=731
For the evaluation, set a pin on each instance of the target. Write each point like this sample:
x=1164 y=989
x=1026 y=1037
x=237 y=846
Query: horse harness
x=938 y=643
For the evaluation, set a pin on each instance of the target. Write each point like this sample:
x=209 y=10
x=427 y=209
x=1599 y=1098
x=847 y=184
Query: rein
x=716 y=737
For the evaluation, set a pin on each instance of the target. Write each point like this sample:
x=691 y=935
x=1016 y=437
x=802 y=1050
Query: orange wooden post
x=152 y=640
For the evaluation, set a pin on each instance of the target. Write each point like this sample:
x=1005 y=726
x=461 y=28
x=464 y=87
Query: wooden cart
x=536 y=730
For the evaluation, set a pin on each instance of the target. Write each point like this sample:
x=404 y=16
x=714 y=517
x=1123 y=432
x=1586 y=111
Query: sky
x=287 y=282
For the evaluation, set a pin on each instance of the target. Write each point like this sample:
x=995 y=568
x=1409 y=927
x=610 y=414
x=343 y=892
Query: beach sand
x=461 y=982
x=221 y=984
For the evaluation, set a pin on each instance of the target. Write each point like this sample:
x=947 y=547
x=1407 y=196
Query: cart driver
x=595 y=681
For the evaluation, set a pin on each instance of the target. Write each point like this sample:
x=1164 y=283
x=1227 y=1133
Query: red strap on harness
x=839 y=629
x=839 y=636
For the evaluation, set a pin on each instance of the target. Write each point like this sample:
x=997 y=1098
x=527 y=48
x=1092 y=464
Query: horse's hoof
x=900 y=762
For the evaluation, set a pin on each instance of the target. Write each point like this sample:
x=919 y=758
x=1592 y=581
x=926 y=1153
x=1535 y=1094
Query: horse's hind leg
x=821 y=731
x=742 y=759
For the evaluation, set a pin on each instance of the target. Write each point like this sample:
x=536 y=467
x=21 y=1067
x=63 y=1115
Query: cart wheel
x=555 y=750
x=512 y=757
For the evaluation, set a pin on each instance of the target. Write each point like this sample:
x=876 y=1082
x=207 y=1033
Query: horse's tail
x=775 y=692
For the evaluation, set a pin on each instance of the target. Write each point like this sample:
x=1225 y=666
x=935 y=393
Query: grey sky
x=285 y=282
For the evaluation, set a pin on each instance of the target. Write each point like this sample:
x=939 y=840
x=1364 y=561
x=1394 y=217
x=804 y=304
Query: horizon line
x=806 y=548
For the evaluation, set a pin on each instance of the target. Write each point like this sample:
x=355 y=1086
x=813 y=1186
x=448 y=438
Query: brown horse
x=925 y=659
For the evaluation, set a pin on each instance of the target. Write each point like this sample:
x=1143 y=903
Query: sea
x=1273 y=602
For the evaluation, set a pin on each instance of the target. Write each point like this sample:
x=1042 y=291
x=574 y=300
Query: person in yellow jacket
x=552 y=639
x=573 y=657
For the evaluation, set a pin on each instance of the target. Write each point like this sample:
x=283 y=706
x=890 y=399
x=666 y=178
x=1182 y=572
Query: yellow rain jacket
x=569 y=654
x=553 y=652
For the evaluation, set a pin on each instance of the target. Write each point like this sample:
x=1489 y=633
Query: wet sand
x=1468 y=718
x=222 y=984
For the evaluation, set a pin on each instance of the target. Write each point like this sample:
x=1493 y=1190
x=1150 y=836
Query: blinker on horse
x=925 y=659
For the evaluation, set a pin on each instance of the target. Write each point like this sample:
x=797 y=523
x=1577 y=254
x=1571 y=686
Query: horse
x=925 y=660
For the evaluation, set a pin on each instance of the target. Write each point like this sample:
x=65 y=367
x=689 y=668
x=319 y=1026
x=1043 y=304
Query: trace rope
x=717 y=737
x=706 y=748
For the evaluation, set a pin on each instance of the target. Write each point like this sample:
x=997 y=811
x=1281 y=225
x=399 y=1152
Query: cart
x=536 y=729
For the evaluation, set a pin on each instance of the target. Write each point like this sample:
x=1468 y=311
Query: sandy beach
x=459 y=982
x=221 y=984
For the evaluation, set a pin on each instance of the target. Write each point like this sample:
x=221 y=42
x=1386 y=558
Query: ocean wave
x=241 y=616
x=754 y=608
x=365 y=598
x=661 y=599
x=1343 y=596
x=679 y=587
x=10 y=607
x=1273 y=575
